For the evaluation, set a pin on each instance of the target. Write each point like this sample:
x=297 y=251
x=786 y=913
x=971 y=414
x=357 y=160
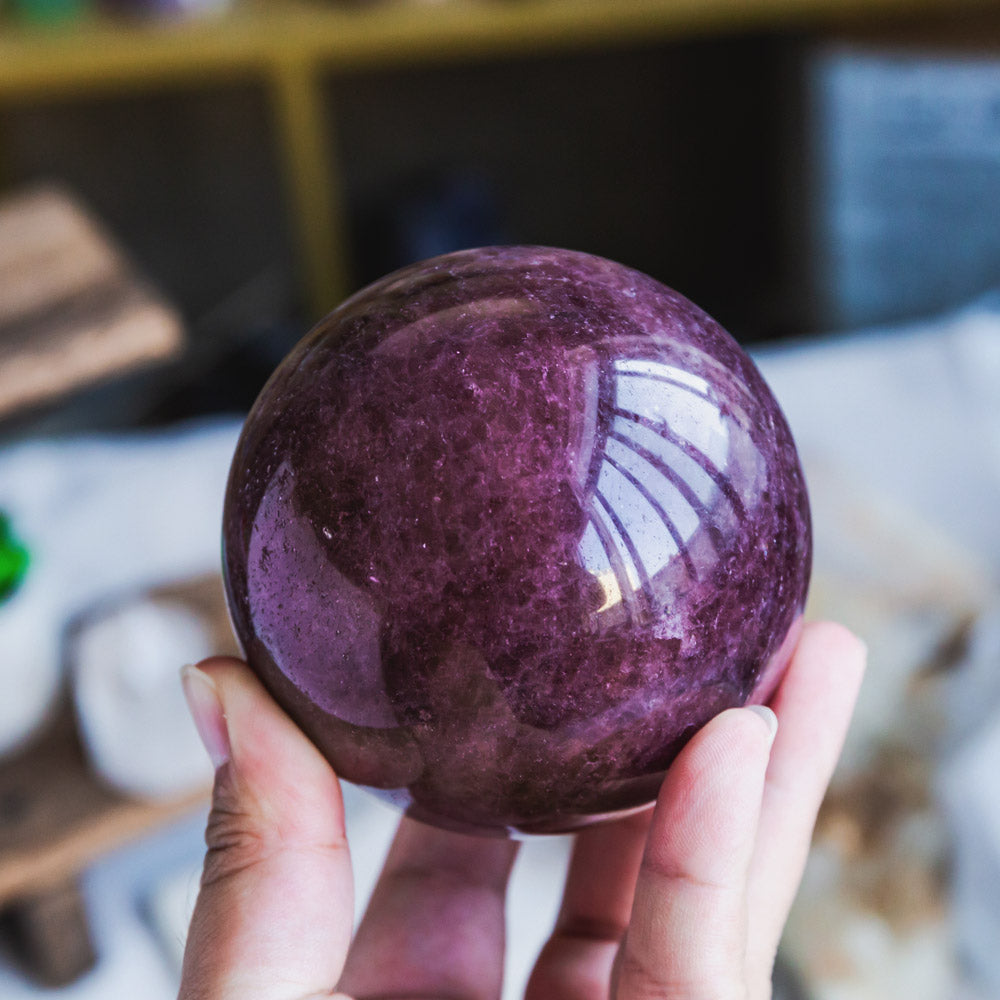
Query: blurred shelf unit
x=292 y=46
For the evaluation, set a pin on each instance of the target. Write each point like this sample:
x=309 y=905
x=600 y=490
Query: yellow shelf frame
x=291 y=45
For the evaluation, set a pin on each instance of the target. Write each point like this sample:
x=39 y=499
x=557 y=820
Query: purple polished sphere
x=507 y=528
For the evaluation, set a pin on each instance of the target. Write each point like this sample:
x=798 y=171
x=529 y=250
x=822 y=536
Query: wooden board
x=73 y=311
x=57 y=817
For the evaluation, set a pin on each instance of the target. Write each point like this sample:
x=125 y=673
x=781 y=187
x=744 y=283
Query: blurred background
x=186 y=185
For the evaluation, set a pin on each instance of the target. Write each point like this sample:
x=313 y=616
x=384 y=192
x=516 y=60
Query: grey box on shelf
x=904 y=177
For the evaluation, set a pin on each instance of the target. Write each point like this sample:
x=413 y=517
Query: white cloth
x=102 y=517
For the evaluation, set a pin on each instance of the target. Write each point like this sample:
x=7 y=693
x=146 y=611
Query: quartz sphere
x=506 y=528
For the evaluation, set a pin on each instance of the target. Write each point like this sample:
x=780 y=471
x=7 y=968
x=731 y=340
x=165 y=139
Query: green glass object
x=14 y=559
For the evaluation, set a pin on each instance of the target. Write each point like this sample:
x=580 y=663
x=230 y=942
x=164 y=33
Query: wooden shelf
x=290 y=46
x=103 y=53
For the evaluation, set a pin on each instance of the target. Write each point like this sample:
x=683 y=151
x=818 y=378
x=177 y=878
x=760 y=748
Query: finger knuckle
x=591 y=929
x=641 y=981
x=233 y=840
x=664 y=870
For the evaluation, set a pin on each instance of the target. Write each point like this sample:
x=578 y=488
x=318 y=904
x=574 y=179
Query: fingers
x=273 y=919
x=576 y=962
x=274 y=915
x=687 y=935
x=435 y=923
x=814 y=704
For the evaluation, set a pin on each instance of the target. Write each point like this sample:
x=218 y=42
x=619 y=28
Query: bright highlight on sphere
x=506 y=528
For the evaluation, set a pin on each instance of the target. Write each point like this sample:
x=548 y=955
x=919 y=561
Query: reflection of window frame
x=626 y=576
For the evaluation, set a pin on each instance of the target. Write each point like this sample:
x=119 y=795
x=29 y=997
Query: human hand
x=687 y=899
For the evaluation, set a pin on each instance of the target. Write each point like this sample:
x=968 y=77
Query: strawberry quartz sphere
x=506 y=528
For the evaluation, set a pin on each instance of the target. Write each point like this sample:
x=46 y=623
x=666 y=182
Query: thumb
x=274 y=915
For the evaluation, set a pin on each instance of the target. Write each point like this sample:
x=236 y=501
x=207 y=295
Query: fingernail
x=770 y=719
x=206 y=709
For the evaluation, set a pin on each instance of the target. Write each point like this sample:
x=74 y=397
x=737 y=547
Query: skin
x=685 y=900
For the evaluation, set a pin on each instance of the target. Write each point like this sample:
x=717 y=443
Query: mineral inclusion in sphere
x=506 y=528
